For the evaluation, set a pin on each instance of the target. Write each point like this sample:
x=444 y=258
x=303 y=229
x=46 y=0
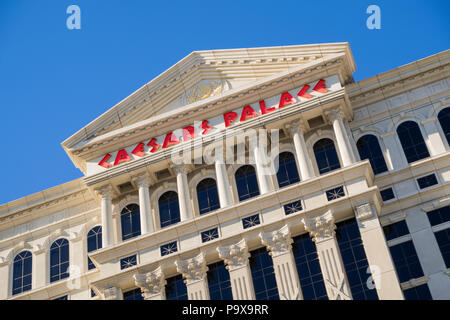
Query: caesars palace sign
x=226 y=120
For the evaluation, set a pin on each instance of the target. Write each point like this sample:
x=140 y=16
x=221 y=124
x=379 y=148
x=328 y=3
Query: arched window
x=287 y=171
x=131 y=223
x=326 y=156
x=444 y=120
x=208 y=199
x=94 y=242
x=246 y=183
x=22 y=272
x=59 y=260
x=412 y=141
x=369 y=148
x=169 y=209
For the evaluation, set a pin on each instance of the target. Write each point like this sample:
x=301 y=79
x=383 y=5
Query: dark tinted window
x=308 y=268
x=219 y=282
x=169 y=209
x=287 y=171
x=176 y=288
x=22 y=272
x=208 y=199
x=355 y=260
x=369 y=148
x=406 y=262
x=418 y=293
x=263 y=275
x=427 y=181
x=387 y=194
x=443 y=240
x=439 y=216
x=133 y=295
x=131 y=223
x=94 y=242
x=59 y=260
x=247 y=185
x=412 y=141
x=326 y=156
x=444 y=120
x=395 y=230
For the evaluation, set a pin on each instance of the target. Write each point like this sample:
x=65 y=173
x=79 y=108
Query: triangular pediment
x=202 y=76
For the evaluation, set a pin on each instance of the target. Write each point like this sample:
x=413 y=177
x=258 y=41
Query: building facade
x=260 y=173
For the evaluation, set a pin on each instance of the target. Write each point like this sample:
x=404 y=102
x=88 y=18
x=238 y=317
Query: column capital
x=235 y=256
x=296 y=126
x=278 y=241
x=320 y=227
x=180 y=168
x=152 y=283
x=364 y=211
x=105 y=191
x=112 y=293
x=193 y=269
x=334 y=114
x=142 y=180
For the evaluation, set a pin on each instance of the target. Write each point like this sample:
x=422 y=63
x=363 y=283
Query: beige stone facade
x=204 y=86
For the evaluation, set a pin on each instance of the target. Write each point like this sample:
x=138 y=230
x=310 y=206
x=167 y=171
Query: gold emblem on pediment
x=205 y=90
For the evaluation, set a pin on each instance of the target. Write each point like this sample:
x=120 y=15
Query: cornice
x=43 y=205
x=381 y=91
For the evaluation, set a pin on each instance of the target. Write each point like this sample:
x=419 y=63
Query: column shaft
x=223 y=184
x=263 y=171
x=342 y=139
x=378 y=255
x=306 y=169
x=183 y=193
x=144 y=204
x=106 y=212
x=321 y=229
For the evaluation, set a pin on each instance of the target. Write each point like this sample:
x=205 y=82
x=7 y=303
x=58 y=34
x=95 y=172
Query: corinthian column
x=342 y=139
x=194 y=272
x=183 y=192
x=105 y=194
x=144 y=203
x=236 y=258
x=321 y=229
x=223 y=184
x=152 y=284
x=297 y=130
x=279 y=244
x=264 y=168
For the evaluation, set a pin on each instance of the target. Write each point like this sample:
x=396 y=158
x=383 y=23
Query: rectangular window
x=439 y=216
x=308 y=268
x=443 y=240
x=62 y=298
x=387 y=194
x=209 y=235
x=355 y=260
x=335 y=193
x=134 y=294
x=406 y=262
x=427 y=181
x=263 y=275
x=128 y=262
x=418 y=293
x=251 y=221
x=168 y=248
x=219 y=282
x=396 y=230
x=176 y=288
x=293 y=207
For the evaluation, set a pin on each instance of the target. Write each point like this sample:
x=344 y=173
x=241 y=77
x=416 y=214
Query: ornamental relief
x=206 y=89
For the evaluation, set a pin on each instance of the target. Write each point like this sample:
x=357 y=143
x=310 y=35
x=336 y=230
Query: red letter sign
x=229 y=117
x=122 y=156
x=103 y=162
x=320 y=86
x=205 y=127
x=248 y=112
x=188 y=133
x=170 y=140
x=286 y=99
x=139 y=150
x=302 y=93
x=264 y=110
x=155 y=146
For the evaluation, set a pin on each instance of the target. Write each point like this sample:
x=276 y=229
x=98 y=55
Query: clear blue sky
x=53 y=81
